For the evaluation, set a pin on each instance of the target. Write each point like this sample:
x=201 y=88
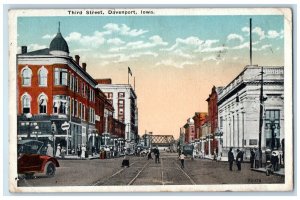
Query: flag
x=129 y=71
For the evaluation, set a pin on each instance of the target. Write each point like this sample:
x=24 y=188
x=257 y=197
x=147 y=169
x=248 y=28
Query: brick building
x=52 y=88
x=189 y=131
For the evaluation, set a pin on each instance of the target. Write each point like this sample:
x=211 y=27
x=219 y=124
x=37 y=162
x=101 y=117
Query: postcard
x=150 y=100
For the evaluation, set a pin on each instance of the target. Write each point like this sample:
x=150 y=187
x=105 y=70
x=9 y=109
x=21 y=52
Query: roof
x=38 y=52
x=59 y=44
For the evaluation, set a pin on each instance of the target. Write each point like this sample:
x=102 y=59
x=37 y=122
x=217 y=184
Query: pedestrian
x=78 y=151
x=49 y=151
x=63 y=152
x=252 y=156
x=58 y=151
x=230 y=158
x=256 y=158
x=181 y=157
x=149 y=155
x=156 y=153
x=83 y=149
x=239 y=159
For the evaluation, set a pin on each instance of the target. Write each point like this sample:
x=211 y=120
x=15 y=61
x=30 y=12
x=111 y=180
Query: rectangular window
x=221 y=122
x=121 y=103
x=80 y=111
x=60 y=104
x=272 y=129
x=83 y=89
x=121 y=94
x=61 y=76
x=76 y=109
x=76 y=85
x=73 y=108
x=71 y=82
x=84 y=112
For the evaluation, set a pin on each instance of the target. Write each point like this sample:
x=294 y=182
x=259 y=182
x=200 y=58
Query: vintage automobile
x=32 y=159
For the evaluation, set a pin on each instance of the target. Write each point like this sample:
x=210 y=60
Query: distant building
x=189 y=131
x=212 y=117
x=239 y=108
x=124 y=101
x=199 y=119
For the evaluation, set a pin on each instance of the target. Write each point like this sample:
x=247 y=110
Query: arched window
x=43 y=76
x=26 y=101
x=42 y=104
x=26 y=76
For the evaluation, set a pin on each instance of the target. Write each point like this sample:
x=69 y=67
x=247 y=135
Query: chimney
x=24 y=49
x=84 y=66
x=77 y=59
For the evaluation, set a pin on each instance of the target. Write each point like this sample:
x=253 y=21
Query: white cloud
x=94 y=40
x=74 y=36
x=246 y=29
x=154 y=41
x=157 y=40
x=81 y=50
x=189 y=41
x=273 y=34
x=48 y=36
x=123 y=30
x=209 y=58
x=241 y=46
x=170 y=62
x=33 y=47
x=267 y=46
x=214 y=49
x=115 y=41
x=234 y=36
x=259 y=32
x=180 y=53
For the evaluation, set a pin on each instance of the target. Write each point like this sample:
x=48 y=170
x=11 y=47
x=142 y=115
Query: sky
x=176 y=60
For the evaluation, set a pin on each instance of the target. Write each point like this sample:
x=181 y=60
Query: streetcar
x=188 y=150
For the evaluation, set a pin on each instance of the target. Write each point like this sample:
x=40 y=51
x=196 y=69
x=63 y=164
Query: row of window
x=60 y=106
x=110 y=95
x=61 y=77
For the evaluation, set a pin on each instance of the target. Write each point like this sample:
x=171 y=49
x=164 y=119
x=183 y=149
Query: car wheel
x=50 y=169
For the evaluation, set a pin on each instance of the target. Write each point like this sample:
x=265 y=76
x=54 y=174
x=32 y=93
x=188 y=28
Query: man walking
x=252 y=155
x=156 y=153
x=230 y=158
x=239 y=159
x=181 y=157
x=256 y=158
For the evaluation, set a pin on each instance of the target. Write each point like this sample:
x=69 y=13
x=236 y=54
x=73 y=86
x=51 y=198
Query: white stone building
x=124 y=101
x=239 y=109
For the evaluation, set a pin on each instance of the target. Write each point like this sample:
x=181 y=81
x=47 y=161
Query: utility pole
x=261 y=100
x=250 y=41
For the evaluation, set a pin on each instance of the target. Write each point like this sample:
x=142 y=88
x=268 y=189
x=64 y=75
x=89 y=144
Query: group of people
x=238 y=159
x=60 y=151
x=156 y=154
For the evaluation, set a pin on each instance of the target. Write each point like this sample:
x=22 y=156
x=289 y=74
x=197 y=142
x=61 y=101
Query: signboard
x=65 y=126
x=97 y=118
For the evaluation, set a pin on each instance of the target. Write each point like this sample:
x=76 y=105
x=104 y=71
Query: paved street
x=143 y=172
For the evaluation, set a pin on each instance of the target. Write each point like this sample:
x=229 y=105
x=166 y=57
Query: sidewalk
x=263 y=170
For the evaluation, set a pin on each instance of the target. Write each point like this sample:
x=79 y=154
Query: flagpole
x=128 y=74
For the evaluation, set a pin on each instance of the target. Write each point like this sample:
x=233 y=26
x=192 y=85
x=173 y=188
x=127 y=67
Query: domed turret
x=58 y=45
x=190 y=121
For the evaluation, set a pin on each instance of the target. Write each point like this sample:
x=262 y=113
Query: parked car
x=32 y=159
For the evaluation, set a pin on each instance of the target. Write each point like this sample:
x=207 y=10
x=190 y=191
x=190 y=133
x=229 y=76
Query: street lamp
x=36 y=131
